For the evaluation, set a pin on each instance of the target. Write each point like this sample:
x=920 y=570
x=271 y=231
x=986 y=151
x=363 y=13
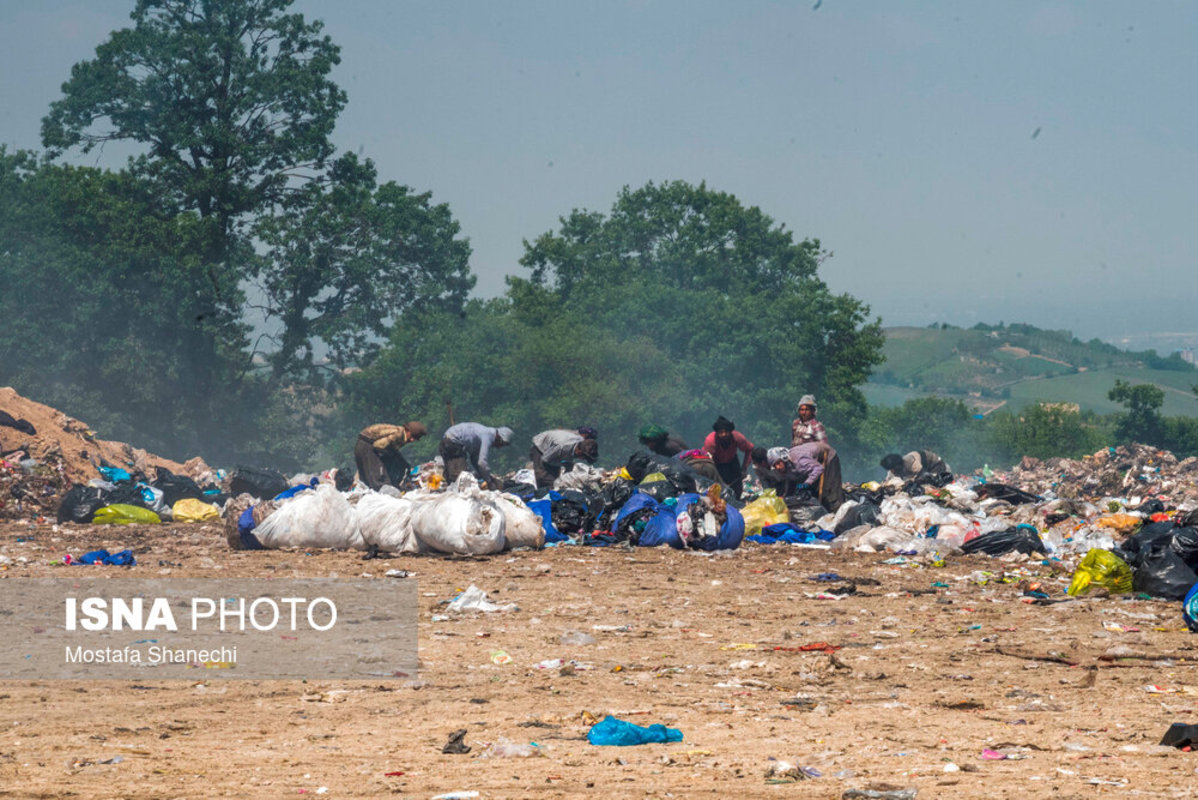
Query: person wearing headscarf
x=588 y=432
x=465 y=447
x=806 y=428
x=726 y=444
x=766 y=475
x=559 y=448
x=659 y=440
x=377 y=452
x=798 y=467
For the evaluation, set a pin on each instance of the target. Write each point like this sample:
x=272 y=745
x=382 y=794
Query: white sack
x=320 y=518
x=386 y=522
x=522 y=525
x=454 y=523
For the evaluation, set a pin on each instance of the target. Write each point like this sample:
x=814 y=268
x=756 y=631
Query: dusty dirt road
x=929 y=668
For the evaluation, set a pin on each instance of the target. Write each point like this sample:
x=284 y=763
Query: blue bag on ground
x=612 y=731
x=658 y=522
x=543 y=508
x=122 y=559
x=730 y=535
x=1189 y=608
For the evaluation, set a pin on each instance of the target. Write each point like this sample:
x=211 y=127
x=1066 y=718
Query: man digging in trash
x=465 y=447
x=377 y=452
x=919 y=467
x=556 y=449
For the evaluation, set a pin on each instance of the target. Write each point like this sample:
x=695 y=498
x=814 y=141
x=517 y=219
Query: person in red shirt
x=724 y=443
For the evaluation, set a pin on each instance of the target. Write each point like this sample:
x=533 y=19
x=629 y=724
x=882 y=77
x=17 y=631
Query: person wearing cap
x=807 y=428
x=377 y=452
x=465 y=448
x=921 y=466
x=726 y=443
x=555 y=449
x=659 y=440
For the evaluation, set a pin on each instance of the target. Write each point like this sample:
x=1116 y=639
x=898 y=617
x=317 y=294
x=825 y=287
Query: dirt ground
x=936 y=665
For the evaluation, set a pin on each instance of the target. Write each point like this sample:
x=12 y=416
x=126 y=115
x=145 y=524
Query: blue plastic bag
x=1189 y=608
x=612 y=731
x=122 y=559
x=543 y=508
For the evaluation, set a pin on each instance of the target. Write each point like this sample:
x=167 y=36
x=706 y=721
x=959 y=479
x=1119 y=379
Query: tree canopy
x=230 y=97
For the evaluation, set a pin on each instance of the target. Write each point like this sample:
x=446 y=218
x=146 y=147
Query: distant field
x=1021 y=366
x=1089 y=390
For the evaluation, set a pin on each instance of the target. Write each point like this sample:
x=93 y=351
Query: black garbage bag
x=639 y=465
x=571 y=513
x=659 y=490
x=81 y=503
x=1150 y=507
x=804 y=507
x=614 y=496
x=1181 y=735
x=1001 y=491
x=861 y=514
x=1189 y=519
x=1134 y=546
x=257 y=482
x=683 y=478
x=176 y=487
x=1162 y=572
x=1185 y=544
x=1022 y=538
x=23 y=425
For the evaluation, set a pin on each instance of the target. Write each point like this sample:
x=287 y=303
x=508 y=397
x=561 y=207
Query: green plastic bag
x=122 y=514
x=1101 y=568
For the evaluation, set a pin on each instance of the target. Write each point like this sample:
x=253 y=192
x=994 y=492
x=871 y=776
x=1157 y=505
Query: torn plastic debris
x=475 y=599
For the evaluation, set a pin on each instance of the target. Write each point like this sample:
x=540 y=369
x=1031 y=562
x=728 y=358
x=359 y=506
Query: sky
x=963 y=162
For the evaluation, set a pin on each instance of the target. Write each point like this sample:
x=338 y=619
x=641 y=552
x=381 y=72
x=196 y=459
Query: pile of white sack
x=466 y=520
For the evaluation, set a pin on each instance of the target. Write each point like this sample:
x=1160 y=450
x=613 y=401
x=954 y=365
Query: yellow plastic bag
x=122 y=514
x=189 y=509
x=653 y=477
x=769 y=509
x=1119 y=523
x=1101 y=568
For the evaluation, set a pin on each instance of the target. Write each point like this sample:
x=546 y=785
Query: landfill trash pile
x=44 y=452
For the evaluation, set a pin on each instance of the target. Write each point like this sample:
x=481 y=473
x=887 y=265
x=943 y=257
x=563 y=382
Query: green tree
x=108 y=317
x=1142 y=421
x=1043 y=430
x=345 y=257
x=231 y=98
x=729 y=299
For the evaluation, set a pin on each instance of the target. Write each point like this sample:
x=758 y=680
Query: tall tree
x=107 y=315
x=345 y=257
x=230 y=97
x=729 y=297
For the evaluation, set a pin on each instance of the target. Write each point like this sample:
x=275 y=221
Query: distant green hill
x=990 y=367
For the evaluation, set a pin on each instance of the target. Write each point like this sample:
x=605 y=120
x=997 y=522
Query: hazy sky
x=964 y=161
